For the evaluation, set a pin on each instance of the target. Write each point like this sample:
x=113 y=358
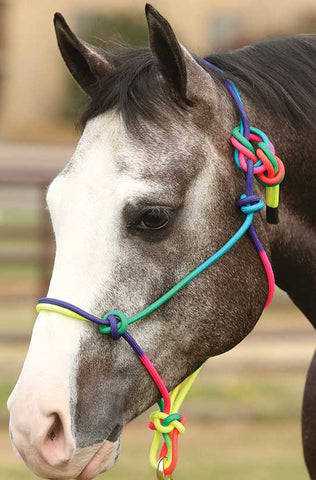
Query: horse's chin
x=85 y=464
x=103 y=460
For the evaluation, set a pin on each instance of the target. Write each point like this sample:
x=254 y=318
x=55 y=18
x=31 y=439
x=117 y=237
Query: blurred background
x=244 y=411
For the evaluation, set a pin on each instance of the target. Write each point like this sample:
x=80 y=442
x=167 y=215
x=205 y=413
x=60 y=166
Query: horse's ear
x=85 y=62
x=167 y=50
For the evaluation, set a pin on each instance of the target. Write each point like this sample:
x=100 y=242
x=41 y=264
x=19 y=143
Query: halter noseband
x=268 y=169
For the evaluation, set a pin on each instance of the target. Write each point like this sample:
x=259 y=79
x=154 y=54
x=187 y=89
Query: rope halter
x=268 y=169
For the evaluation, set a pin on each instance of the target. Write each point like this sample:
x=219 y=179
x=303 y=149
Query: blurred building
x=37 y=99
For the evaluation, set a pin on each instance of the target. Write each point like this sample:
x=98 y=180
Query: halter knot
x=164 y=423
x=250 y=203
x=268 y=168
x=115 y=324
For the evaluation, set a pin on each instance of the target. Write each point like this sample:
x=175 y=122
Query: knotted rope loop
x=115 y=324
x=268 y=168
x=164 y=423
x=250 y=203
x=274 y=175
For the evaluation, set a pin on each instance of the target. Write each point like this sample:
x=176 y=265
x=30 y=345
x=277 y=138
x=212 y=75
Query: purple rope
x=83 y=313
x=250 y=198
x=234 y=93
x=114 y=329
x=111 y=321
x=132 y=342
x=255 y=240
x=240 y=107
x=249 y=178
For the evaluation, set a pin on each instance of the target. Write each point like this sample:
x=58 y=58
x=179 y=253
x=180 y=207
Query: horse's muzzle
x=44 y=441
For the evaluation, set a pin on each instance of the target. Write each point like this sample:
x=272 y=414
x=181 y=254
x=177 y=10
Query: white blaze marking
x=85 y=205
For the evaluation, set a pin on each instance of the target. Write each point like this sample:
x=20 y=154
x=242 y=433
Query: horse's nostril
x=57 y=447
x=56 y=428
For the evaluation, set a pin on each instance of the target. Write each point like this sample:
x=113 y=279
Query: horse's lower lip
x=102 y=460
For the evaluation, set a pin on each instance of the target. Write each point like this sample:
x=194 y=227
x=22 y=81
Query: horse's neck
x=293 y=240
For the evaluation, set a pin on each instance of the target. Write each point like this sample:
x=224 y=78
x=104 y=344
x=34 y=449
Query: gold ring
x=160 y=472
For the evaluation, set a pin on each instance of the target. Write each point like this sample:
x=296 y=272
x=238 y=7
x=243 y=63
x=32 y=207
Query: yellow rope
x=177 y=397
x=47 y=307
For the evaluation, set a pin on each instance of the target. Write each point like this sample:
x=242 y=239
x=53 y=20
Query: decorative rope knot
x=164 y=423
x=115 y=324
x=250 y=203
x=268 y=168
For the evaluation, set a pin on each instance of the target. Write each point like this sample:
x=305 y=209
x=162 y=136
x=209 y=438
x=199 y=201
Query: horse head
x=149 y=193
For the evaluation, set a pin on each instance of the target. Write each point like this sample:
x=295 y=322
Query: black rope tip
x=272 y=215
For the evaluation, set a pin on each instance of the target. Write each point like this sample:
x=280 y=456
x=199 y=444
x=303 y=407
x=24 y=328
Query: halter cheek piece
x=268 y=169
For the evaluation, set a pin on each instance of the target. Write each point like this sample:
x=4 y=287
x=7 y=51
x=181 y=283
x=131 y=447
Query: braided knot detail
x=164 y=423
x=268 y=167
x=115 y=324
x=250 y=203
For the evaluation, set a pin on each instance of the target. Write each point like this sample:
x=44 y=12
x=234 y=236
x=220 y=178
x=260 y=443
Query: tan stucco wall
x=34 y=77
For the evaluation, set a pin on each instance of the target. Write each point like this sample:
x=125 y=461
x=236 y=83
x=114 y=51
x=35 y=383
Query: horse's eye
x=154 y=218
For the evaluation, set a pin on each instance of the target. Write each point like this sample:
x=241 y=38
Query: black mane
x=279 y=74
x=135 y=87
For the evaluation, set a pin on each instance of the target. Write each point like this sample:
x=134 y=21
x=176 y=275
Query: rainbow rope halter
x=268 y=169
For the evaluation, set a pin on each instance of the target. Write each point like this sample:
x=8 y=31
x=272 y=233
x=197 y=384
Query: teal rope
x=217 y=255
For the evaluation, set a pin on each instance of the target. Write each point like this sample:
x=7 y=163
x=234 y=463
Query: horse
x=148 y=194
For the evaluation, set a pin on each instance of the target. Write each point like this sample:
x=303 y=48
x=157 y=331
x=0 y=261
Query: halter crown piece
x=268 y=169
